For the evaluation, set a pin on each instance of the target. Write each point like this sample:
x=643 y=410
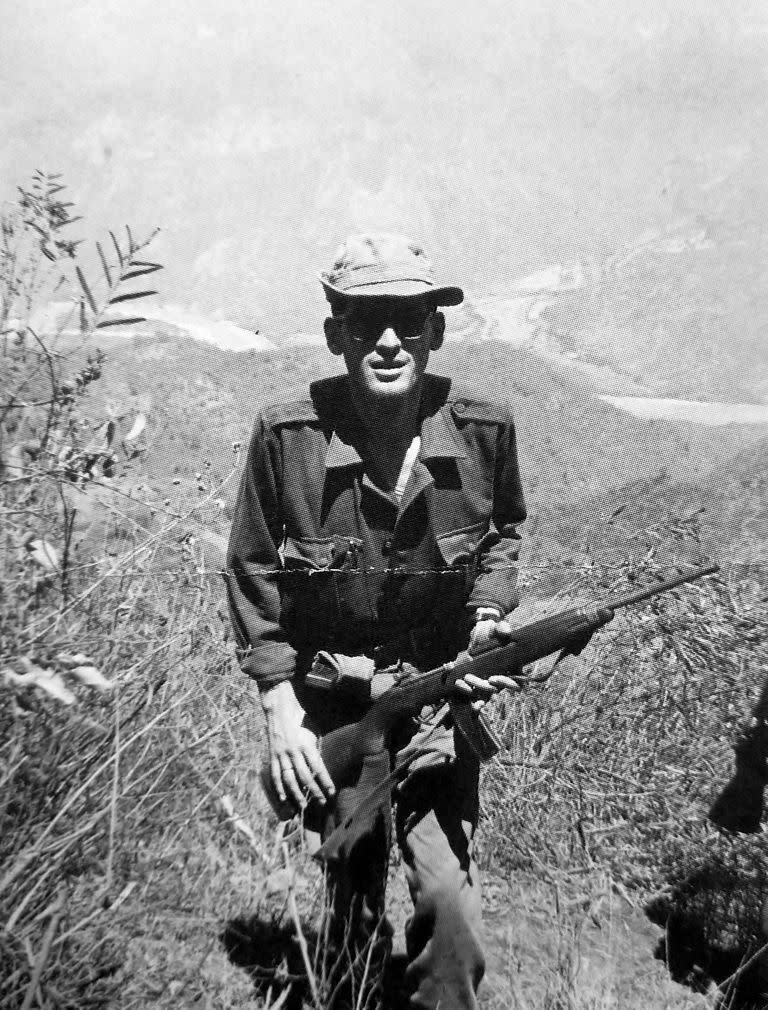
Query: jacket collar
x=440 y=437
x=340 y=453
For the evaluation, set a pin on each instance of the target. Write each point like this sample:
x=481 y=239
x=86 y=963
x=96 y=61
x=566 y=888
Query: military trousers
x=436 y=812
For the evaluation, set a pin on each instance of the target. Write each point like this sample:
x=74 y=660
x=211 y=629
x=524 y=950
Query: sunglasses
x=367 y=326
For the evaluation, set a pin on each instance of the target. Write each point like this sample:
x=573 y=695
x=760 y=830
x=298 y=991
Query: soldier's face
x=386 y=344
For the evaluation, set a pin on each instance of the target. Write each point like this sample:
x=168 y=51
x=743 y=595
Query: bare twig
x=300 y=938
x=114 y=798
x=44 y=951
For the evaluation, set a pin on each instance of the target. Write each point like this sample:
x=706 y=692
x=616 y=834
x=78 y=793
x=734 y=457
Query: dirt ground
x=564 y=943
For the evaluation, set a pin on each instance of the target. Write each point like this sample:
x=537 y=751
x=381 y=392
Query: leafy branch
x=127 y=268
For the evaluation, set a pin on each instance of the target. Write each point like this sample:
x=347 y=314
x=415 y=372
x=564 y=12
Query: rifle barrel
x=660 y=587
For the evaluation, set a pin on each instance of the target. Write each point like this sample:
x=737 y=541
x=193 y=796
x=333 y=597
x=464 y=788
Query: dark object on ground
x=698 y=908
x=694 y=960
x=739 y=807
x=268 y=951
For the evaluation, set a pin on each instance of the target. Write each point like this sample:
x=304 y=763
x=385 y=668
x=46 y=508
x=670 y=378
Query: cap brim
x=443 y=295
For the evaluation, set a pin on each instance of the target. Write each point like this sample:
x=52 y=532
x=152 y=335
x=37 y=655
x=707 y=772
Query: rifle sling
x=343 y=837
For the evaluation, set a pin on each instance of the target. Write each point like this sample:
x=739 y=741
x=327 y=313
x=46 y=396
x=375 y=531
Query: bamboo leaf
x=91 y=676
x=150 y=268
x=131 y=245
x=83 y=320
x=102 y=438
x=128 y=320
x=68 y=660
x=116 y=244
x=86 y=290
x=43 y=554
x=130 y=296
x=36 y=676
x=104 y=263
x=145 y=263
x=136 y=428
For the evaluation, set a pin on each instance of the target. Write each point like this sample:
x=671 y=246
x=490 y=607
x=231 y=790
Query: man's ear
x=437 y=326
x=332 y=327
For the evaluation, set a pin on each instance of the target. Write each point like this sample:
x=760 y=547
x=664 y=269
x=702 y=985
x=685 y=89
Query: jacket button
x=459 y=407
x=386 y=547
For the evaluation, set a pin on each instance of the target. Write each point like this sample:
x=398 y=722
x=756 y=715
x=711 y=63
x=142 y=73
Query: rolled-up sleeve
x=254 y=564
x=496 y=582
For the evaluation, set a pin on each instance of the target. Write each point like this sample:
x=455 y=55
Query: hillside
x=680 y=312
x=685 y=312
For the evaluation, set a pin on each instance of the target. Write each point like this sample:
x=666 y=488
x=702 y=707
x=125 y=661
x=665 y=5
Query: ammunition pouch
x=355 y=677
x=350 y=675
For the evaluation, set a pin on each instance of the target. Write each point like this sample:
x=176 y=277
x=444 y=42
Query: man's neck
x=390 y=424
x=389 y=420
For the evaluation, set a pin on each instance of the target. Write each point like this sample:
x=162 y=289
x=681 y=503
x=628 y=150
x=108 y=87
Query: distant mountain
x=674 y=313
x=60 y=320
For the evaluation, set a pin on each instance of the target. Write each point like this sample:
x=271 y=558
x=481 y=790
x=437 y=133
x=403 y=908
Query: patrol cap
x=382 y=265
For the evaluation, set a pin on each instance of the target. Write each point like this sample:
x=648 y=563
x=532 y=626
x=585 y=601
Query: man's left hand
x=486 y=634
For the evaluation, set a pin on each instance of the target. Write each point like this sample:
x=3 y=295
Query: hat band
x=378 y=274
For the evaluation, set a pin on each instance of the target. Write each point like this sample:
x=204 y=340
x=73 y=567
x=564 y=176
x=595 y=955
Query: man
x=376 y=527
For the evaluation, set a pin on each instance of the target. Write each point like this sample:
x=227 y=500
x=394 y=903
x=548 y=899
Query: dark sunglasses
x=367 y=326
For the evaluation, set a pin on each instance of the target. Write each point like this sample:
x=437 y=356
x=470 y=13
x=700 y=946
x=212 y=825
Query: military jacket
x=320 y=557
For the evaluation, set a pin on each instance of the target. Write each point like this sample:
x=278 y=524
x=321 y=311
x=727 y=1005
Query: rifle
x=343 y=750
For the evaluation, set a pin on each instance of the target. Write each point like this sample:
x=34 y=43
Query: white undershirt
x=405 y=470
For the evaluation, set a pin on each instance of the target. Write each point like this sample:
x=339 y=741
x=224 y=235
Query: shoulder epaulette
x=330 y=396
x=466 y=405
x=292 y=412
x=326 y=399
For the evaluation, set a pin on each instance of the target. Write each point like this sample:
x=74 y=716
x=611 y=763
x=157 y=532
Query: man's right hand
x=297 y=769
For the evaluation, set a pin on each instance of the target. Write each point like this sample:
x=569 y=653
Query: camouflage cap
x=382 y=265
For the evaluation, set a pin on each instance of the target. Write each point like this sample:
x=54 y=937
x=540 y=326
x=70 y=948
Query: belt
x=414 y=646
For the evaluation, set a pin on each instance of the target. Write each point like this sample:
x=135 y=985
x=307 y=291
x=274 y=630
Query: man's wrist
x=272 y=696
x=487 y=614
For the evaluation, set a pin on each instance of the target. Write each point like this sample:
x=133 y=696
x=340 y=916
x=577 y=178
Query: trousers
x=434 y=826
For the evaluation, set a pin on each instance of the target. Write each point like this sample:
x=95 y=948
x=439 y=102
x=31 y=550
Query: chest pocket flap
x=315 y=555
x=462 y=547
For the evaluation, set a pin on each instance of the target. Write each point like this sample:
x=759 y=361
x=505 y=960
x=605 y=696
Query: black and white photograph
x=384 y=505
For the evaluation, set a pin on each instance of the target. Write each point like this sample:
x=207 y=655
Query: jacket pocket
x=310 y=555
x=460 y=548
x=314 y=571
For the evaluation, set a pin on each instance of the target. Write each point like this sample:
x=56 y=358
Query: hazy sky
x=257 y=136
